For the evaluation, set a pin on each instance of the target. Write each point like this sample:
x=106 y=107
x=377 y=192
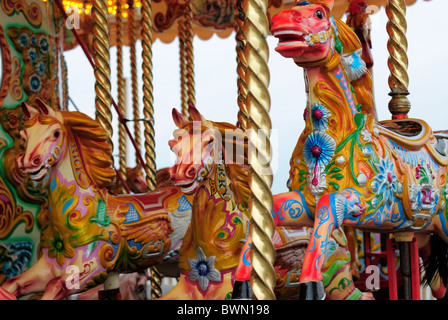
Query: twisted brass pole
x=148 y=114
x=189 y=58
x=101 y=58
x=134 y=79
x=397 y=46
x=148 y=99
x=241 y=65
x=256 y=53
x=183 y=68
x=120 y=91
x=103 y=98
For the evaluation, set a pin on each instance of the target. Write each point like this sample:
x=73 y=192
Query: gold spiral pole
x=103 y=99
x=148 y=114
x=101 y=58
x=148 y=99
x=183 y=68
x=120 y=91
x=134 y=78
x=241 y=65
x=256 y=54
x=397 y=46
x=189 y=58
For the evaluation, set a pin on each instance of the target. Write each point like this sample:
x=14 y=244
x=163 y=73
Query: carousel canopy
x=209 y=16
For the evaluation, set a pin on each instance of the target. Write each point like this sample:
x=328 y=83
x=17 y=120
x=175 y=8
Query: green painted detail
x=236 y=220
x=334 y=184
x=328 y=275
x=355 y=295
x=342 y=285
x=338 y=46
x=101 y=216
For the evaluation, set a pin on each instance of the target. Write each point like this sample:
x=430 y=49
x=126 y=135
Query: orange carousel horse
x=347 y=168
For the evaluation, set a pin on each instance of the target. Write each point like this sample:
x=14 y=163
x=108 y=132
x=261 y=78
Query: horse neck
x=70 y=174
x=217 y=224
x=329 y=87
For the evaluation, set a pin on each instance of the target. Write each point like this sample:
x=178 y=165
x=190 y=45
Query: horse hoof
x=312 y=291
x=242 y=290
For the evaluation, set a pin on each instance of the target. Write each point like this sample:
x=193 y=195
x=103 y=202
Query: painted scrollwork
x=5 y=66
x=35 y=70
x=31 y=12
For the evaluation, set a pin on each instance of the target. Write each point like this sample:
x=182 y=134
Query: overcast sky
x=216 y=89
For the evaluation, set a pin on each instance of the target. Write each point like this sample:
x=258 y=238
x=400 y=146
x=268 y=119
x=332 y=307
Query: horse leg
x=336 y=271
x=33 y=280
x=330 y=212
x=242 y=289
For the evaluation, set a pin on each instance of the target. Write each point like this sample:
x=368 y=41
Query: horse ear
x=28 y=111
x=196 y=115
x=180 y=120
x=42 y=107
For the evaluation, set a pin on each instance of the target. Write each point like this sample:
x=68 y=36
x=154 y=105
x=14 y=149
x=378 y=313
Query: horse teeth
x=192 y=187
x=287 y=32
x=290 y=43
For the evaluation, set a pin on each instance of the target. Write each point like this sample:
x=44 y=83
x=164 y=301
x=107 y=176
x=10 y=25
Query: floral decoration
x=203 y=269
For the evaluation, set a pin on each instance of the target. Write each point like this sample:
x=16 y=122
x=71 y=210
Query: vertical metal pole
x=241 y=65
x=183 y=68
x=148 y=113
x=256 y=54
x=189 y=53
x=397 y=46
x=415 y=270
x=392 y=275
x=120 y=91
x=405 y=268
x=101 y=58
x=134 y=79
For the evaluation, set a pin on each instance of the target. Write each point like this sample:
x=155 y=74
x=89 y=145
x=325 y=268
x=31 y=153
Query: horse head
x=304 y=31
x=136 y=179
x=193 y=145
x=43 y=136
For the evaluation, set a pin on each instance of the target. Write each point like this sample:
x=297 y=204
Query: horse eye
x=319 y=14
x=56 y=134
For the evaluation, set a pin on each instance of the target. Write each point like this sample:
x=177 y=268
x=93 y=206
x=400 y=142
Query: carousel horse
x=87 y=233
x=348 y=168
x=219 y=183
x=212 y=166
x=135 y=180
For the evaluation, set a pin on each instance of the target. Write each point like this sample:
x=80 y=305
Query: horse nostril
x=36 y=161
x=191 y=173
x=296 y=16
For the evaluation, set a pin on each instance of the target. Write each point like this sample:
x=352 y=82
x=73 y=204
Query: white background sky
x=216 y=89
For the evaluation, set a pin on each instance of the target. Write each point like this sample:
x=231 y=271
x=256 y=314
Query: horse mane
x=239 y=167
x=93 y=144
x=326 y=90
x=363 y=85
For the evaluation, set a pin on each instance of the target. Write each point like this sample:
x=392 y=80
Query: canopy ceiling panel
x=209 y=17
